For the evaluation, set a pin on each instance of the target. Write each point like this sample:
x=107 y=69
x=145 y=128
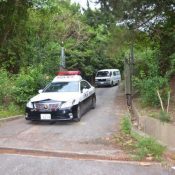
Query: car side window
x=114 y=73
x=118 y=73
x=84 y=85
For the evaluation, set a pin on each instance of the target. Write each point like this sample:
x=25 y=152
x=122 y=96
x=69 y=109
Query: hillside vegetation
x=32 y=33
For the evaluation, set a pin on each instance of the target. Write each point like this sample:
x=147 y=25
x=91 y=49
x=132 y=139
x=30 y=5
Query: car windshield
x=62 y=87
x=103 y=74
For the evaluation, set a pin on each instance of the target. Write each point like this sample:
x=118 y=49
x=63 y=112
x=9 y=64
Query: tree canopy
x=31 y=33
x=153 y=17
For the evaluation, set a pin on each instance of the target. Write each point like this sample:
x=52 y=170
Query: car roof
x=109 y=70
x=67 y=78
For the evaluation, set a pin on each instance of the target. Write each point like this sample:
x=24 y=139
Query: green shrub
x=27 y=83
x=147 y=146
x=126 y=125
x=10 y=110
x=6 y=84
x=148 y=87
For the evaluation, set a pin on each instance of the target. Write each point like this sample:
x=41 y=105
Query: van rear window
x=103 y=74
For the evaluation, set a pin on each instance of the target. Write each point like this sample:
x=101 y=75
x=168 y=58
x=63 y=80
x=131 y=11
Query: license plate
x=45 y=116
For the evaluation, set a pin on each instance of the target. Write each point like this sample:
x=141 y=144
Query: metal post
x=62 y=60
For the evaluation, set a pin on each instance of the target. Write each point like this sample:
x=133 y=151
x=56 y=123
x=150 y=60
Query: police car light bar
x=69 y=73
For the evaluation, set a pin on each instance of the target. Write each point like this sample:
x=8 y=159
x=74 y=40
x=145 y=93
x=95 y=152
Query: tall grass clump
x=126 y=125
x=147 y=146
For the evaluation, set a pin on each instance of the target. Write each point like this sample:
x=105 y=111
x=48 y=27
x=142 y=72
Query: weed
x=126 y=125
x=147 y=146
x=164 y=116
x=140 y=147
x=10 y=110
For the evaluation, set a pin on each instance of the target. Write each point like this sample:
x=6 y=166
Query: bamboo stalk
x=167 y=109
x=161 y=103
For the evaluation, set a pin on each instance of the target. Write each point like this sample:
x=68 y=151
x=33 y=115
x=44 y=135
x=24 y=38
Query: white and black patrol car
x=67 y=97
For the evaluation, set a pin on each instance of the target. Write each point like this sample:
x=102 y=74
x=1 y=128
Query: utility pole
x=131 y=60
x=62 y=60
x=129 y=71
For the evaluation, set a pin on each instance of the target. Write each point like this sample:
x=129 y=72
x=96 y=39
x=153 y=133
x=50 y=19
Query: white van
x=107 y=77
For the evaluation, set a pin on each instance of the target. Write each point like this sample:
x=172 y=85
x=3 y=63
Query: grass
x=147 y=147
x=126 y=125
x=10 y=110
x=155 y=112
x=164 y=116
x=139 y=147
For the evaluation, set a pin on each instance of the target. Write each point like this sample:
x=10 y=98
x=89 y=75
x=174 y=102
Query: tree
x=155 y=17
x=12 y=13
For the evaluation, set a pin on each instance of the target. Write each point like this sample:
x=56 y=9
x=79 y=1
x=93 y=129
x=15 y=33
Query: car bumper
x=34 y=115
x=102 y=83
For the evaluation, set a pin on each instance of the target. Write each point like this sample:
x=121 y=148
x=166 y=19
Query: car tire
x=93 y=104
x=77 y=114
x=112 y=84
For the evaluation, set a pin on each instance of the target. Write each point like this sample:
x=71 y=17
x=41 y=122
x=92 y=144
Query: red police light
x=69 y=73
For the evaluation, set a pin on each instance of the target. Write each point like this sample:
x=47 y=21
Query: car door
x=85 y=92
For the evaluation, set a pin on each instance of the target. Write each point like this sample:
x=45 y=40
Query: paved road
x=26 y=165
x=63 y=147
x=90 y=135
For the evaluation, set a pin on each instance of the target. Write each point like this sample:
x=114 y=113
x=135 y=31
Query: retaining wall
x=164 y=132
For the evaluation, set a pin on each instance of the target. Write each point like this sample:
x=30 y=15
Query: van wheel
x=118 y=82
x=77 y=114
x=112 y=84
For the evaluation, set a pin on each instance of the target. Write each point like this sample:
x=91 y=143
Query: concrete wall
x=164 y=132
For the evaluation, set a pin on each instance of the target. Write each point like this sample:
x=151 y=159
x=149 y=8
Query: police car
x=67 y=97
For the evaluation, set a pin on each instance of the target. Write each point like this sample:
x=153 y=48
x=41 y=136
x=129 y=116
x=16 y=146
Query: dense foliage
x=151 y=27
x=32 y=33
x=31 y=37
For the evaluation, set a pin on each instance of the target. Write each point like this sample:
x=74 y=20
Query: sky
x=83 y=3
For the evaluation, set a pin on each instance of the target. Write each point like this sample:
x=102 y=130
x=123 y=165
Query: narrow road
x=69 y=147
x=90 y=135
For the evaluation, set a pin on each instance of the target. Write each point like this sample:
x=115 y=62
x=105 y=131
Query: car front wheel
x=77 y=114
x=93 y=104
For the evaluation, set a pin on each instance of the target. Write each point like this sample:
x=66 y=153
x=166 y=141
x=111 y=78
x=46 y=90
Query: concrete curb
x=72 y=155
x=11 y=118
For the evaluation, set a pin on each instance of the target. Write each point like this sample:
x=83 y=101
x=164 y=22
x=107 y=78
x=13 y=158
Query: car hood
x=56 y=96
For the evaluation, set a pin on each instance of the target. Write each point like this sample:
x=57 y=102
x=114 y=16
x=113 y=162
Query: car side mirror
x=40 y=91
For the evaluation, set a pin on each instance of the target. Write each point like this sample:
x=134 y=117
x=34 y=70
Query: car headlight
x=29 y=104
x=67 y=104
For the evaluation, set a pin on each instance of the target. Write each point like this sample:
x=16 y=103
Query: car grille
x=46 y=107
x=101 y=80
